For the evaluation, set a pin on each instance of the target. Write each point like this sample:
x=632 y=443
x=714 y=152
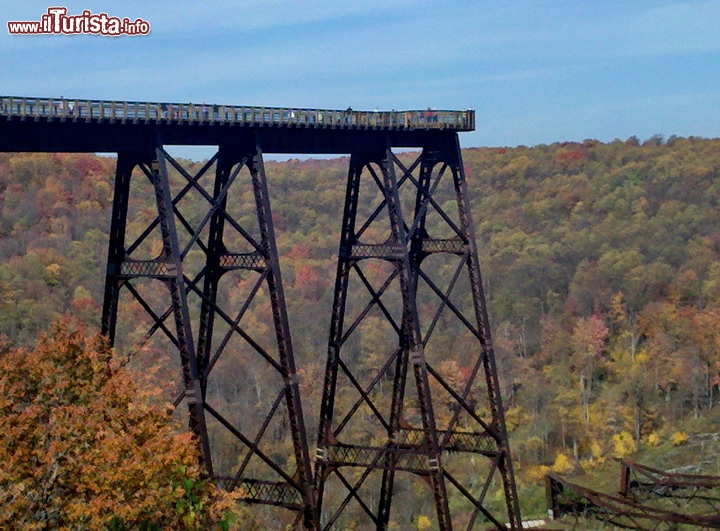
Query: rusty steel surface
x=423 y=422
x=399 y=407
x=633 y=508
x=697 y=492
x=270 y=483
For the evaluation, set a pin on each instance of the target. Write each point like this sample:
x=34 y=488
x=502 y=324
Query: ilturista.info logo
x=57 y=22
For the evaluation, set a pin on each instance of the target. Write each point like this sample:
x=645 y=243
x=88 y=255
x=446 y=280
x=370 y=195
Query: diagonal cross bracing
x=411 y=407
x=428 y=422
x=211 y=335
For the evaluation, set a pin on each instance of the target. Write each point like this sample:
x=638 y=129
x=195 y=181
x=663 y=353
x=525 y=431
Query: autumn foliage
x=601 y=272
x=82 y=447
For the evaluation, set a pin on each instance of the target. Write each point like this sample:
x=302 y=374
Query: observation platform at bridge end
x=74 y=125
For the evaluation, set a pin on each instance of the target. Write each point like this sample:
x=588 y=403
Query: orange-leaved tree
x=82 y=447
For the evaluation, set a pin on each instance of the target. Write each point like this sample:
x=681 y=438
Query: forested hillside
x=600 y=263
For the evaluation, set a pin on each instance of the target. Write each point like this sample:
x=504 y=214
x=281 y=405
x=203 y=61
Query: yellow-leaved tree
x=82 y=448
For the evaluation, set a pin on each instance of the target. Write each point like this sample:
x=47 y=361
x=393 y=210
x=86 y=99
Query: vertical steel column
x=327 y=406
x=214 y=252
x=168 y=268
x=423 y=245
x=329 y=448
x=487 y=352
x=412 y=348
x=116 y=247
x=282 y=333
x=175 y=281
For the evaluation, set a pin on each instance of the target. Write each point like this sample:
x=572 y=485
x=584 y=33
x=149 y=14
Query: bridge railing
x=193 y=113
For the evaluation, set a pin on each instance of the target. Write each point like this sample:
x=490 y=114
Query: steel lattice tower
x=395 y=400
x=228 y=249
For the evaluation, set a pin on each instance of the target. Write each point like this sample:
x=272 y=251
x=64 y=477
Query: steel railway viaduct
x=419 y=409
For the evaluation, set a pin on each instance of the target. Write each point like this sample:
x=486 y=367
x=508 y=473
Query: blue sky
x=535 y=71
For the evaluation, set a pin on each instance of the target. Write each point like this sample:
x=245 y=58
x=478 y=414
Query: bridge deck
x=47 y=124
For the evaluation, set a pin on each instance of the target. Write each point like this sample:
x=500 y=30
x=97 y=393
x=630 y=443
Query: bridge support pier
x=191 y=241
x=411 y=420
x=411 y=389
